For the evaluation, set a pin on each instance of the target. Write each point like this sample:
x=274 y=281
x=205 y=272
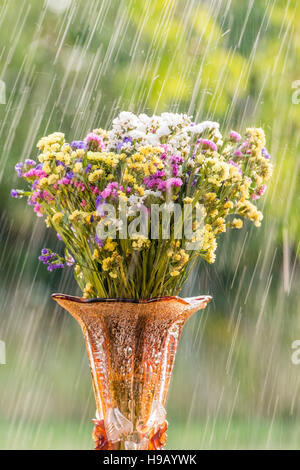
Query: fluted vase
x=131 y=347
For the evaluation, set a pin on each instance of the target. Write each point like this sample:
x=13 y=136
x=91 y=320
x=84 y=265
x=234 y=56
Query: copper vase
x=131 y=346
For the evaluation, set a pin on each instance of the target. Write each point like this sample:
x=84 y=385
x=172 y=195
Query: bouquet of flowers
x=138 y=205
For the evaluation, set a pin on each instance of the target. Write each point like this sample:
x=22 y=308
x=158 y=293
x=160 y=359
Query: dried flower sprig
x=142 y=161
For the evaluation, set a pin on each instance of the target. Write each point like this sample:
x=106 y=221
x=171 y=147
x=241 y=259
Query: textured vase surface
x=131 y=347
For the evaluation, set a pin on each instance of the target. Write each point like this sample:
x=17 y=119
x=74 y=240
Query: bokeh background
x=72 y=65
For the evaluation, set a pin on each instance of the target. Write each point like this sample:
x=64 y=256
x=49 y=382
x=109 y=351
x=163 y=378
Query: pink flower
x=38 y=210
x=173 y=182
x=262 y=190
x=33 y=173
x=64 y=181
x=94 y=142
x=110 y=190
x=235 y=136
x=208 y=143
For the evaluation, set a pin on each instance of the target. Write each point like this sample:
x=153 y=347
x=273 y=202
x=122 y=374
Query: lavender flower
x=15 y=193
x=18 y=168
x=79 y=144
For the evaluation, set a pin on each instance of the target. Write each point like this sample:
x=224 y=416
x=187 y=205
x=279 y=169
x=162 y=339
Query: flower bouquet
x=136 y=208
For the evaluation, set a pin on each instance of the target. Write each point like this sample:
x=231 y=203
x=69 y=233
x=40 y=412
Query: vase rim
x=186 y=301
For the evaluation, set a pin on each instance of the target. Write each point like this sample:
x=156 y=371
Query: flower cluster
x=141 y=161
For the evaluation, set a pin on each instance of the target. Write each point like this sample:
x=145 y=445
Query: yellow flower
x=174 y=273
x=228 y=205
x=141 y=243
x=210 y=197
x=110 y=245
x=140 y=189
x=52 y=179
x=56 y=219
x=106 y=263
x=75 y=215
x=43 y=182
x=87 y=290
x=236 y=223
x=113 y=275
x=77 y=269
x=95 y=176
x=128 y=178
x=77 y=167
x=46 y=168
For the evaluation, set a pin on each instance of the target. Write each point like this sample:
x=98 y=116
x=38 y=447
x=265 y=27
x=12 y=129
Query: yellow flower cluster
x=51 y=143
x=141 y=243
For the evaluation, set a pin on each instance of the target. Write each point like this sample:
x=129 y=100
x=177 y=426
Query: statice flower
x=142 y=160
x=14 y=193
x=79 y=144
x=94 y=142
x=18 y=168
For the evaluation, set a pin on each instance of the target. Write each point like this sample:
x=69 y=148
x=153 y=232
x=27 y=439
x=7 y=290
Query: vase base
x=156 y=440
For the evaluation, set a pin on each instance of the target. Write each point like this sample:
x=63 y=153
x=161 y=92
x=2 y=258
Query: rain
x=73 y=65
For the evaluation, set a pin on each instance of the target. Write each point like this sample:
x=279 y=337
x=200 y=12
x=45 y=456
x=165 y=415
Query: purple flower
x=126 y=140
x=30 y=162
x=51 y=267
x=46 y=255
x=14 y=193
x=18 y=168
x=265 y=153
x=87 y=169
x=98 y=241
x=79 y=144
x=99 y=200
x=59 y=237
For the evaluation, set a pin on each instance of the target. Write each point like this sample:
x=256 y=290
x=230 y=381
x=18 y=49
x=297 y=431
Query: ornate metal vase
x=131 y=346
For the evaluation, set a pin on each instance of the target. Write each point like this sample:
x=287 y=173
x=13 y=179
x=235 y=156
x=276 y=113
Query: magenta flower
x=262 y=190
x=235 y=136
x=34 y=173
x=110 y=190
x=38 y=210
x=94 y=142
x=208 y=143
x=177 y=182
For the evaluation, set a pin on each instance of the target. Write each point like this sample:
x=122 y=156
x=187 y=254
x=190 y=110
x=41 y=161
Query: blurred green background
x=71 y=66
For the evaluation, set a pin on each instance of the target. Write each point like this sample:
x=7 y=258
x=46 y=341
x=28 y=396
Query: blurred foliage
x=72 y=65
